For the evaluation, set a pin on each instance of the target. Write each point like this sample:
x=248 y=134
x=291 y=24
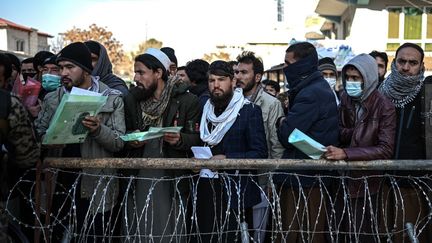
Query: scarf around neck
x=220 y=124
x=401 y=89
x=153 y=109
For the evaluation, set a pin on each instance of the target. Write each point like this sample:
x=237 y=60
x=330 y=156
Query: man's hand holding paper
x=92 y=123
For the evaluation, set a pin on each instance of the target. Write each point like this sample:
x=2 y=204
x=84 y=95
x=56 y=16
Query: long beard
x=140 y=93
x=223 y=100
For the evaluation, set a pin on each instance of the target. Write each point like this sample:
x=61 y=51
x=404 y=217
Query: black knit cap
x=50 y=60
x=40 y=57
x=170 y=53
x=77 y=53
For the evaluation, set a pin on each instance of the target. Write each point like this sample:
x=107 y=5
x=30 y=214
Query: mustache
x=66 y=79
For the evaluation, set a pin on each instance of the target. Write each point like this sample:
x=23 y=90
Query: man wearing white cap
x=158 y=101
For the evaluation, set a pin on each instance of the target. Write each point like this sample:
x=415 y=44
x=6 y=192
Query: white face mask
x=331 y=82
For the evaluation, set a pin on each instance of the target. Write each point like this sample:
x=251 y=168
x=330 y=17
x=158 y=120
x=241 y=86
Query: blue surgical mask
x=331 y=82
x=354 y=88
x=50 y=82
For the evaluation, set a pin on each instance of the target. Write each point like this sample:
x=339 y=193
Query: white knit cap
x=162 y=57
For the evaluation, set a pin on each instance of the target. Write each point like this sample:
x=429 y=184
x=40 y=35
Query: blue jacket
x=245 y=139
x=313 y=109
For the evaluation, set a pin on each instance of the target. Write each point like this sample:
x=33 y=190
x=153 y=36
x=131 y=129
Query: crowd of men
x=228 y=107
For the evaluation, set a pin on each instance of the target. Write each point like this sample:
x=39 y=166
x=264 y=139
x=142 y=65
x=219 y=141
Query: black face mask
x=27 y=75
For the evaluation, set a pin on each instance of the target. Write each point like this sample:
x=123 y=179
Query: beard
x=248 y=86
x=69 y=83
x=222 y=100
x=141 y=93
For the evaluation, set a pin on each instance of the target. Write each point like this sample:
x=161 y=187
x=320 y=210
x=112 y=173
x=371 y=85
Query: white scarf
x=221 y=124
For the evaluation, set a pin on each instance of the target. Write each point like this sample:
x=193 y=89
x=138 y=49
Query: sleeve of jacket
x=386 y=135
x=47 y=112
x=276 y=147
x=191 y=138
x=21 y=136
x=255 y=136
x=345 y=132
x=302 y=115
x=109 y=137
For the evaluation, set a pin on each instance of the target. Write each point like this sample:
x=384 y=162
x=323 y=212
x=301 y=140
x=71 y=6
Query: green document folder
x=153 y=132
x=66 y=126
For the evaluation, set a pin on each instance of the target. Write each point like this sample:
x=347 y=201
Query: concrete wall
x=3 y=40
x=43 y=43
x=33 y=42
x=14 y=35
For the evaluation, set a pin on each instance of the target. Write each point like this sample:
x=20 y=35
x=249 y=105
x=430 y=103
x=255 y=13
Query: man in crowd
x=272 y=87
x=196 y=71
x=404 y=87
x=313 y=111
x=381 y=59
x=248 y=76
x=328 y=69
x=19 y=151
x=173 y=59
x=38 y=61
x=102 y=67
x=233 y=128
x=368 y=123
x=5 y=71
x=181 y=72
x=158 y=101
x=50 y=76
x=16 y=69
x=27 y=68
x=102 y=141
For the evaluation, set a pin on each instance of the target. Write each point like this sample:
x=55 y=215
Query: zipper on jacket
x=410 y=117
x=399 y=134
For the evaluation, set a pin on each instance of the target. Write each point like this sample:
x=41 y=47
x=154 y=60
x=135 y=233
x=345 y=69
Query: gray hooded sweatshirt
x=368 y=69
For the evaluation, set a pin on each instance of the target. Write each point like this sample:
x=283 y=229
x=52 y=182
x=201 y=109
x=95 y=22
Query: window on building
x=413 y=23
x=393 y=20
x=19 y=45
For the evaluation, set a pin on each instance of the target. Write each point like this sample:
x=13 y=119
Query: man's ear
x=258 y=78
x=159 y=73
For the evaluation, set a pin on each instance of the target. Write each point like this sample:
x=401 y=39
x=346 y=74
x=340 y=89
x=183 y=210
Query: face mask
x=28 y=75
x=353 y=88
x=331 y=82
x=50 y=82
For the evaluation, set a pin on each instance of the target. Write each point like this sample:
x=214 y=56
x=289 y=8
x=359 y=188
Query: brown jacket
x=370 y=138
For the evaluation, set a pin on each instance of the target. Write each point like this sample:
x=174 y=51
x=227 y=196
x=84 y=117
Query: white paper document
x=306 y=144
x=79 y=91
x=204 y=153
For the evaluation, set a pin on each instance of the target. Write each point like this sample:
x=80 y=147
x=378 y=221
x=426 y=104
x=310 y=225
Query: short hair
x=249 y=57
x=153 y=64
x=181 y=68
x=412 y=45
x=273 y=83
x=221 y=68
x=381 y=55
x=15 y=61
x=197 y=71
x=28 y=60
x=5 y=61
x=302 y=50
